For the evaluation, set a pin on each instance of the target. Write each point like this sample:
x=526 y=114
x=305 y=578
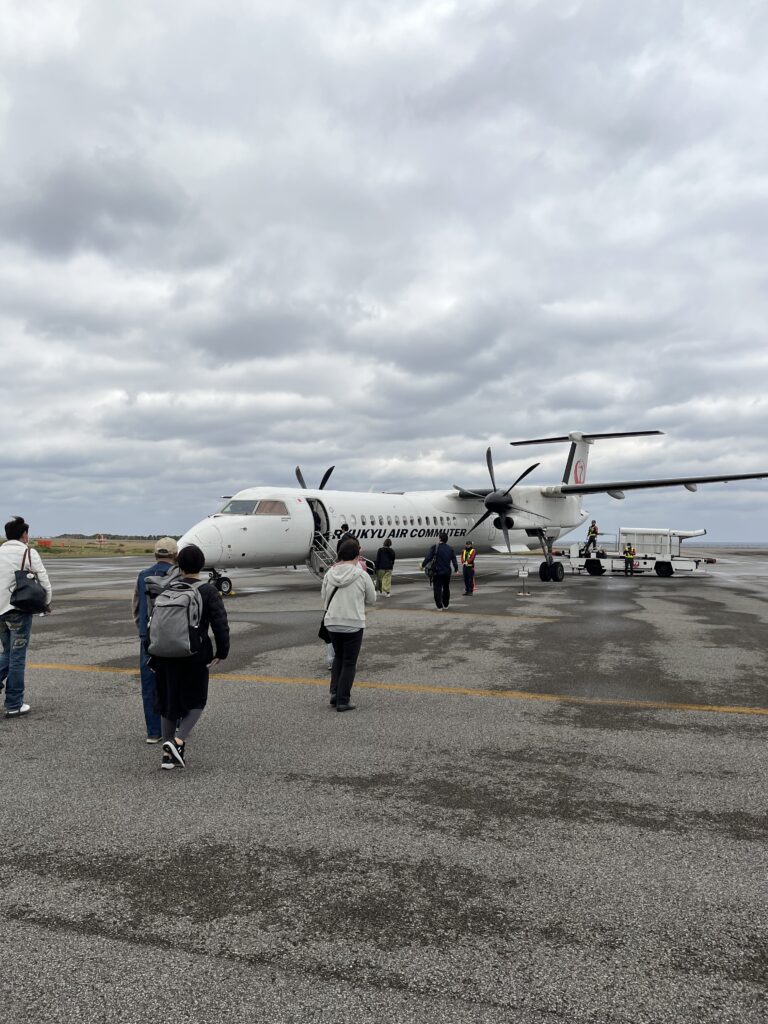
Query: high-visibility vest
x=468 y=557
x=593 y=531
x=629 y=551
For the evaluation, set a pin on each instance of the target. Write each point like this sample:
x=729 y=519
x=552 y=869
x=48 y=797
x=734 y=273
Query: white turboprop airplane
x=275 y=526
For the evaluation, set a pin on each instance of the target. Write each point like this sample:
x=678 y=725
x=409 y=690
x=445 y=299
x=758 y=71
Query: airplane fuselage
x=274 y=526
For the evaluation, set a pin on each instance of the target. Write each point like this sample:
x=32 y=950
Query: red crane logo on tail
x=579 y=472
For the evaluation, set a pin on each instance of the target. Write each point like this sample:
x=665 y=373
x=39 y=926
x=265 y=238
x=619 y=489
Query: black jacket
x=446 y=558
x=385 y=558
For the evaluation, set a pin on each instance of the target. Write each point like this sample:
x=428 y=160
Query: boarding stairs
x=321 y=555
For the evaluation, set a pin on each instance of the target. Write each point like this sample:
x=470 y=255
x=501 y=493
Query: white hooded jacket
x=355 y=591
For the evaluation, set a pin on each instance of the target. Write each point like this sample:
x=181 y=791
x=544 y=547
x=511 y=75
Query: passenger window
x=381 y=520
x=397 y=520
x=426 y=520
x=271 y=508
x=362 y=520
x=389 y=520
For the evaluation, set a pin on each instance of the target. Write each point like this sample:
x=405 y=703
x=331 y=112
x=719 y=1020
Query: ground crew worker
x=468 y=568
x=629 y=559
x=592 y=534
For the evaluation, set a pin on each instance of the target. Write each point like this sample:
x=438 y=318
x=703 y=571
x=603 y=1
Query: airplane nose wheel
x=222 y=583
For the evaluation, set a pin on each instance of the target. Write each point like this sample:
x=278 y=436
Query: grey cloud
x=104 y=203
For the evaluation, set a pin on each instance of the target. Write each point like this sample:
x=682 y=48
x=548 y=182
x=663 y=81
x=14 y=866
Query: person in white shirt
x=15 y=625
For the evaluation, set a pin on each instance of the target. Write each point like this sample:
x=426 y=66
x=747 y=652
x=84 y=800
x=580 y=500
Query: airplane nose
x=207 y=537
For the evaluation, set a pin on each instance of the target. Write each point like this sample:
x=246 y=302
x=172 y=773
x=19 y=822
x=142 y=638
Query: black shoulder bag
x=29 y=594
x=323 y=633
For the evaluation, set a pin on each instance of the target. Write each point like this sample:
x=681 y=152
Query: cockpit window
x=239 y=508
x=272 y=508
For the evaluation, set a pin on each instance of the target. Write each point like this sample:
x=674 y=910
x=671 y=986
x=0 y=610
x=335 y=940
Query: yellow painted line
x=462 y=691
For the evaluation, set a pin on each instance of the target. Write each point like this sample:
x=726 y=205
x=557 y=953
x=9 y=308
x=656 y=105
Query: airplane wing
x=616 y=487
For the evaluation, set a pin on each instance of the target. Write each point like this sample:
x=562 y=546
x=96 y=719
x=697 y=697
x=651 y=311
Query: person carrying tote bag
x=22 y=579
x=345 y=618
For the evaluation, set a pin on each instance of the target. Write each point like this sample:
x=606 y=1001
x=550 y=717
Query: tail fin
x=575 y=471
x=576 y=465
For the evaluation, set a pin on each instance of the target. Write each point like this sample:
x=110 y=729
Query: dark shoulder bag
x=29 y=594
x=323 y=633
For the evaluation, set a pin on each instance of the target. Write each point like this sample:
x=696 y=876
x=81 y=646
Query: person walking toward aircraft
x=629 y=559
x=346 y=590
x=442 y=557
x=182 y=682
x=468 y=568
x=345 y=535
x=165 y=560
x=385 y=563
x=592 y=534
x=16 y=625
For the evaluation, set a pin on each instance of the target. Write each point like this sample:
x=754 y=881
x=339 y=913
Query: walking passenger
x=346 y=590
x=345 y=535
x=442 y=556
x=165 y=560
x=182 y=682
x=385 y=562
x=16 y=625
x=468 y=568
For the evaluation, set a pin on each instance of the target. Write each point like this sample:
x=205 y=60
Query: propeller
x=323 y=482
x=499 y=502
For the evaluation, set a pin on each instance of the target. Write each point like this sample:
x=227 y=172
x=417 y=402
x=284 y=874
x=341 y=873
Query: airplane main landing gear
x=549 y=570
x=222 y=583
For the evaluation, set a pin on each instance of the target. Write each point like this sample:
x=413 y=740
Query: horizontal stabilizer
x=636 y=485
x=585 y=437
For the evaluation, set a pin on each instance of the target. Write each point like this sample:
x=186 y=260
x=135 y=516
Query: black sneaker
x=175 y=751
x=346 y=707
x=167 y=761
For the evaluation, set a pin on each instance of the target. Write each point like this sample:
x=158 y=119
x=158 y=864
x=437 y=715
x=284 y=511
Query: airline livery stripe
x=460 y=691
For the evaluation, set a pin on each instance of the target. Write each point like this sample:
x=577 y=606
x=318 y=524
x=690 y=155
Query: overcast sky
x=238 y=236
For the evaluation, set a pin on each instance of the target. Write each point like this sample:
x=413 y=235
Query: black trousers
x=591 y=542
x=441 y=585
x=469 y=578
x=629 y=567
x=346 y=648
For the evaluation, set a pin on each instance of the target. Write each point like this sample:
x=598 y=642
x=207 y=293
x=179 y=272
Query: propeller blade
x=300 y=478
x=482 y=519
x=505 y=531
x=465 y=491
x=523 y=476
x=326 y=477
x=489 y=460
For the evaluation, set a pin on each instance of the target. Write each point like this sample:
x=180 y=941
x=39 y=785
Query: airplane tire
x=664 y=569
x=556 y=572
x=224 y=585
x=544 y=572
x=594 y=567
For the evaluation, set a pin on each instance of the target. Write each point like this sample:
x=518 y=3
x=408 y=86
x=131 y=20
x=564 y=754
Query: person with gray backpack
x=181 y=651
x=148 y=585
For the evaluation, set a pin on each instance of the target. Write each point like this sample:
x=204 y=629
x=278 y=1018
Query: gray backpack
x=174 y=627
x=155 y=585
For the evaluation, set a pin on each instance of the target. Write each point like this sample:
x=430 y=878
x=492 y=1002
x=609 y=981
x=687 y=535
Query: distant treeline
x=110 y=536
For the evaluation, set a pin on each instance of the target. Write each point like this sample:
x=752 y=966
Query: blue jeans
x=15 y=628
x=151 y=717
